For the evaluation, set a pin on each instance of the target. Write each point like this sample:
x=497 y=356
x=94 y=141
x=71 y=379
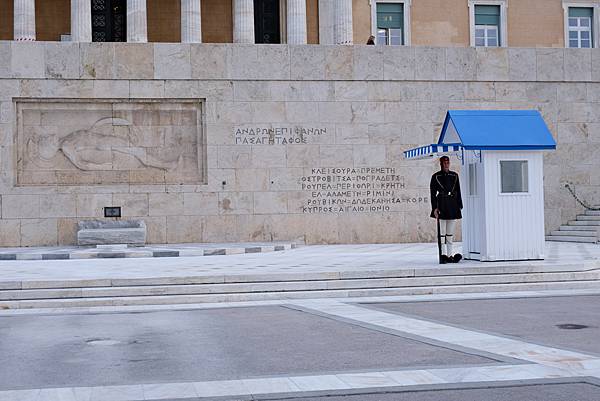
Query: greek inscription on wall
x=82 y=142
x=276 y=135
x=356 y=190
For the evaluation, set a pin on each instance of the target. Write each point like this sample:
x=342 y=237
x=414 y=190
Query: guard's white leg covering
x=443 y=235
x=450 y=225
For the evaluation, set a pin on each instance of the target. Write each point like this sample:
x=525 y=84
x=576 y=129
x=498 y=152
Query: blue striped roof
x=429 y=151
x=499 y=129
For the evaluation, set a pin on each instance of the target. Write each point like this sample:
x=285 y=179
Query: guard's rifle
x=439 y=238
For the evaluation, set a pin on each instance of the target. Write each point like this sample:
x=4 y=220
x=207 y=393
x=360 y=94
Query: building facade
x=514 y=23
x=210 y=142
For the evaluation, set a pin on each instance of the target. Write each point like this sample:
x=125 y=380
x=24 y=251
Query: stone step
x=292 y=286
x=584 y=223
x=567 y=238
x=592 y=212
x=575 y=233
x=587 y=217
x=262 y=296
x=579 y=228
x=488 y=268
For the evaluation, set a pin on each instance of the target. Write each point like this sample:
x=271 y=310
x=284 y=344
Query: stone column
x=296 y=22
x=326 y=22
x=137 y=21
x=24 y=20
x=191 y=26
x=243 y=21
x=81 y=21
x=342 y=27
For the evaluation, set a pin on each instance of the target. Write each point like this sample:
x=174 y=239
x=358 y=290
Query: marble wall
x=291 y=141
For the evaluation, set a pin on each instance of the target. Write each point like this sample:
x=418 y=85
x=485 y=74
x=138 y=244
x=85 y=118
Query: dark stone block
x=110 y=255
x=165 y=254
x=55 y=256
x=213 y=252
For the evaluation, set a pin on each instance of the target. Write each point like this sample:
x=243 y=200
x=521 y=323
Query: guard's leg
x=450 y=226
x=443 y=236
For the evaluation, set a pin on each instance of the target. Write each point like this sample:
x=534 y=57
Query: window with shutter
x=487 y=25
x=390 y=23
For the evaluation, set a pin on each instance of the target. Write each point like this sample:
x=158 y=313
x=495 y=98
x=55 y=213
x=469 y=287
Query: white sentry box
x=501 y=180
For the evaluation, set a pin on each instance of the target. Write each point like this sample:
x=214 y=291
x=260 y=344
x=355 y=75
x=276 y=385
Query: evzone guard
x=446 y=205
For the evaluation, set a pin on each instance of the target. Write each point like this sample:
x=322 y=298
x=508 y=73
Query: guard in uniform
x=446 y=204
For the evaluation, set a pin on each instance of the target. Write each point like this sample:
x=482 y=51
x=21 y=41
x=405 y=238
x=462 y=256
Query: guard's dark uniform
x=445 y=195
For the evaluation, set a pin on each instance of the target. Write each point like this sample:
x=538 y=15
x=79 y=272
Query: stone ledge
x=161 y=251
x=205 y=61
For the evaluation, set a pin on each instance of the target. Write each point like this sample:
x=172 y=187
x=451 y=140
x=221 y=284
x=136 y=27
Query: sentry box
x=501 y=180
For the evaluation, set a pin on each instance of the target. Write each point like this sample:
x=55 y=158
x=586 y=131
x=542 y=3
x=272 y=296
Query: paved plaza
x=304 y=260
x=538 y=345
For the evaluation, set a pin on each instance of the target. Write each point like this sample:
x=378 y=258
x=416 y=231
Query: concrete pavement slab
x=129 y=348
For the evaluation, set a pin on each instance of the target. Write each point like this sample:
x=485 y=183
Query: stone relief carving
x=104 y=143
x=91 y=150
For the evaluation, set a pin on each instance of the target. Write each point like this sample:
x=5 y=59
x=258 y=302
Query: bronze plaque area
x=109 y=142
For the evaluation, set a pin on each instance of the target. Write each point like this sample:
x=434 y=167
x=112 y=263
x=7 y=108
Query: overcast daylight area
x=300 y=200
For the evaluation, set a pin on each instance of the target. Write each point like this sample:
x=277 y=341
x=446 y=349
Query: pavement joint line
x=292 y=384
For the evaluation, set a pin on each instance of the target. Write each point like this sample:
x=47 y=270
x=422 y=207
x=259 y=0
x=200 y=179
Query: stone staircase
x=301 y=285
x=585 y=228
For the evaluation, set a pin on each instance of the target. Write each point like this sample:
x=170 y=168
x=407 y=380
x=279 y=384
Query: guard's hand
x=436 y=213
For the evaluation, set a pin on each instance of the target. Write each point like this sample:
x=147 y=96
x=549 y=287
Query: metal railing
x=586 y=205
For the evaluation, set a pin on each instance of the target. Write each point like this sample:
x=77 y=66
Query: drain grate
x=571 y=326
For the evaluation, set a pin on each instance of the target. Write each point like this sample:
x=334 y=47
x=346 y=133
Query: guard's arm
x=433 y=193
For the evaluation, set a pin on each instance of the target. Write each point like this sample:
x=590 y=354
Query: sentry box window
x=514 y=176
x=112 y=211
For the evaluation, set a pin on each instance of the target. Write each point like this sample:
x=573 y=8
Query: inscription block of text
x=83 y=142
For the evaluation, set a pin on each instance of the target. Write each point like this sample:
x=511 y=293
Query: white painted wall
x=514 y=223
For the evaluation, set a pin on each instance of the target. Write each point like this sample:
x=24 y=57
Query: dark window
x=266 y=21
x=109 y=21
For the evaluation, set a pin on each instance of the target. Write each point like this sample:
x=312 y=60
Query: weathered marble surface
x=78 y=142
x=105 y=232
